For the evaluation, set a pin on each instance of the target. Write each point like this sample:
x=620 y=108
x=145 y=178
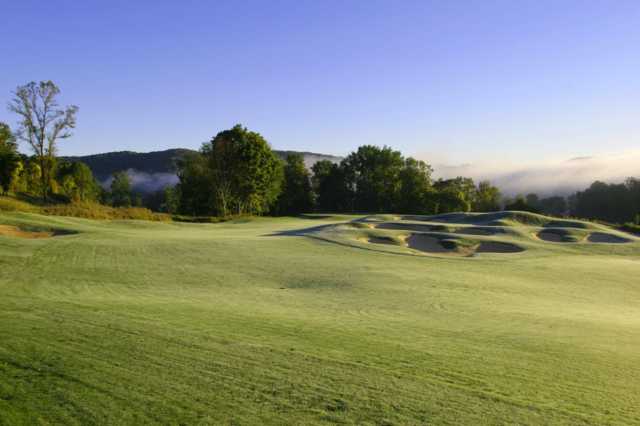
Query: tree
x=617 y=203
x=9 y=158
x=296 y=196
x=373 y=174
x=42 y=124
x=454 y=195
x=77 y=181
x=7 y=138
x=330 y=186
x=520 y=204
x=415 y=185
x=195 y=187
x=555 y=205
x=121 y=190
x=486 y=197
x=533 y=200
x=32 y=177
x=171 y=199
x=245 y=173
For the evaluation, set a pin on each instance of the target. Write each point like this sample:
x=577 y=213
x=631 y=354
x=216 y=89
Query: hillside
x=151 y=171
x=385 y=320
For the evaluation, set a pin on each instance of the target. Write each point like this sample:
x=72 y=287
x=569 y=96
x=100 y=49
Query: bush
x=90 y=210
x=9 y=204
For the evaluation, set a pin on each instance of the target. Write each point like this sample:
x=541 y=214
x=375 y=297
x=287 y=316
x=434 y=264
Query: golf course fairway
x=378 y=320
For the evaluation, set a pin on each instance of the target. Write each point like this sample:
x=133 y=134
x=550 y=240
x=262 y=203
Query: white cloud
x=551 y=178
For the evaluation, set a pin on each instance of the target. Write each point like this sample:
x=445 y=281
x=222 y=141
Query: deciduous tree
x=296 y=196
x=42 y=124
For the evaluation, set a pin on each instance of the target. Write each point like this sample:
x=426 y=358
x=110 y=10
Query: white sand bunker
x=602 y=237
x=498 y=247
x=405 y=226
x=14 y=231
x=430 y=244
x=379 y=240
x=552 y=237
x=474 y=230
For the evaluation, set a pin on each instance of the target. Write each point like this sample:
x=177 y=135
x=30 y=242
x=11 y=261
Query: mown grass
x=254 y=322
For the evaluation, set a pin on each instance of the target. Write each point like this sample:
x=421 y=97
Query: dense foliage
x=9 y=159
x=235 y=173
x=617 y=203
x=296 y=196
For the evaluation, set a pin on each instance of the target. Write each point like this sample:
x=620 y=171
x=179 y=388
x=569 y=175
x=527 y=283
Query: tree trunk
x=45 y=179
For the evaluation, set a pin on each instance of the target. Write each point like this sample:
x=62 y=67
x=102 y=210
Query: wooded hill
x=106 y=164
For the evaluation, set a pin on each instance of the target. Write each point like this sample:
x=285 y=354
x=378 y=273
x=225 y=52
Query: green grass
x=297 y=321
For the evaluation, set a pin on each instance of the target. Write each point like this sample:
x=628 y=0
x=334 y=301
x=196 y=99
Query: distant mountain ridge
x=152 y=171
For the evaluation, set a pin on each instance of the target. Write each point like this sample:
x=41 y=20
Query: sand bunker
x=13 y=231
x=498 y=247
x=427 y=244
x=405 y=227
x=474 y=230
x=552 y=237
x=602 y=237
x=379 y=240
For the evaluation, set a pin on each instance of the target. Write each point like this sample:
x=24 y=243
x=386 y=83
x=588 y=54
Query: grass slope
x=293 y=321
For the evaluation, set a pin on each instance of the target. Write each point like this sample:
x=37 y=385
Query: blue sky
x=453 y=82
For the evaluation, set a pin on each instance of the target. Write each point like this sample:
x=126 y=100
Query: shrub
x=90 y=210
x=9 y=204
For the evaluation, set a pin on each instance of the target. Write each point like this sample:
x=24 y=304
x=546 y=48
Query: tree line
x=237 y=173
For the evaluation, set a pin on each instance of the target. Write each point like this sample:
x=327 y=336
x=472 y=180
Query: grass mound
x=506 y=218
x=10 y=204
x=87 y=210
x=98 y=211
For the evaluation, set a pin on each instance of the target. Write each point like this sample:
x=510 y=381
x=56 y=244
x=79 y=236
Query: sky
x=453 y=82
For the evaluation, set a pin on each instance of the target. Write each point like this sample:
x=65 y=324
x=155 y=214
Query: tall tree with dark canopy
x=9 y=158
x=246 y=175
x=42 y=124
x=454 y=195
x=296 y=196
x=617 y=203
x=415 y=186
x=77 y=181
x=121 y=190
x=195 y=187
x=373 y=174
x=486 y=197
x=330 y=186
